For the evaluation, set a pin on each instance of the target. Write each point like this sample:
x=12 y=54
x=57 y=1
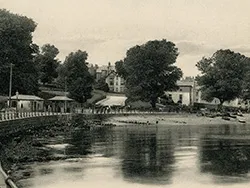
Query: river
x=146 y=156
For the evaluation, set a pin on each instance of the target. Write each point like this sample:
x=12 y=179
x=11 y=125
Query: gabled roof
x=27 y=98
x=60 y=98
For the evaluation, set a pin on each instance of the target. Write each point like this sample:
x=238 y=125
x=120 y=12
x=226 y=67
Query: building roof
x=113 y=101
x=185 y=83
x=27 y=98
x=60 y=98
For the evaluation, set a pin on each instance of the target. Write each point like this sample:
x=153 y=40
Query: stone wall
x=18 y=125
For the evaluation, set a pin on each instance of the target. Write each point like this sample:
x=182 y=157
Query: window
x=170 y=95
x=180 y=89
x=180 y=97
x=116 y=83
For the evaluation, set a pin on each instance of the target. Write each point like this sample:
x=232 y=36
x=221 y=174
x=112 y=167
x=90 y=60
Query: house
x=115 y=83
x=185 y=94
x=27 y=103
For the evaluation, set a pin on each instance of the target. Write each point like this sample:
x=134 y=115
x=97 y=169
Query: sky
x=106 y=29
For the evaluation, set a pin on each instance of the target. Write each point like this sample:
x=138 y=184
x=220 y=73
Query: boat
x=242 y=120
x=233 y=116
x=226 y=118
x=211 y=115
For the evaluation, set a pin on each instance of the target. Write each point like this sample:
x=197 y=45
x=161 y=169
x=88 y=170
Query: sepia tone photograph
x=124 y=93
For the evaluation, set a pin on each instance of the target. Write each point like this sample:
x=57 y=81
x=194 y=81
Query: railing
x=6 y=181
x=8 y=116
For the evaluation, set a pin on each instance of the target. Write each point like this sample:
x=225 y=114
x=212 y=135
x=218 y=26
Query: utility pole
x=65 y=90
x=10 y=86
x=17 y=103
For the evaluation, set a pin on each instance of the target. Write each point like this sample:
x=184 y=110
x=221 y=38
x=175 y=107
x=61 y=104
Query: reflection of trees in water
x=45 y=171
x=80 y=143
x=224 y=154
x=104 y=138
x=147 y=158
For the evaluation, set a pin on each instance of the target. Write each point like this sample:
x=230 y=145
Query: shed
x=27 y=102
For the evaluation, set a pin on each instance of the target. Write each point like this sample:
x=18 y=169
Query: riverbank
x=28 y=144
x=173 y=119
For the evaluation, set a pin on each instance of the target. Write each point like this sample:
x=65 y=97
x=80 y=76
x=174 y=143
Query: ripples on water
x=146 y=156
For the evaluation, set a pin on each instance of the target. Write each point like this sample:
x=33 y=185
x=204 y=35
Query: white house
x=115 y=82
x=185 y=94
x=27 y=103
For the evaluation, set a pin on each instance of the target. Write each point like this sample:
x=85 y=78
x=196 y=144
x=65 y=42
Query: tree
x=17 y=48
x=222 y=75
x=47 y=63
x=102 y=85
x=149 y=70
x=121 y=71
x=79 y=81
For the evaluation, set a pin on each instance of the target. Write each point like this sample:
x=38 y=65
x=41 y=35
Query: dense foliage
x=17 y=48
x=78 y=79
x=149 y=70
x=222 y=75
x=102 y=85
x=47 y=63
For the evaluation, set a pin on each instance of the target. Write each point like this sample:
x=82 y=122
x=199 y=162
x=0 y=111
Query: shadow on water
x=225 y=151
x=147 y=157
x=80 y=143
x=45 y=171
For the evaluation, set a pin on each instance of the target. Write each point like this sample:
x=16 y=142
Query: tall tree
x=17 y=48
x=149 y=70
x=47 y=63
x=222 y=75
x=245 y=94
x=119 y=66
x=78 y=78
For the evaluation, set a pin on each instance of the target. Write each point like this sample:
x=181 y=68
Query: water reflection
x=143 y=156
x=104 y=141
x=80 y=143
x=147 y=156
x=45 y=171
x=225 y=151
